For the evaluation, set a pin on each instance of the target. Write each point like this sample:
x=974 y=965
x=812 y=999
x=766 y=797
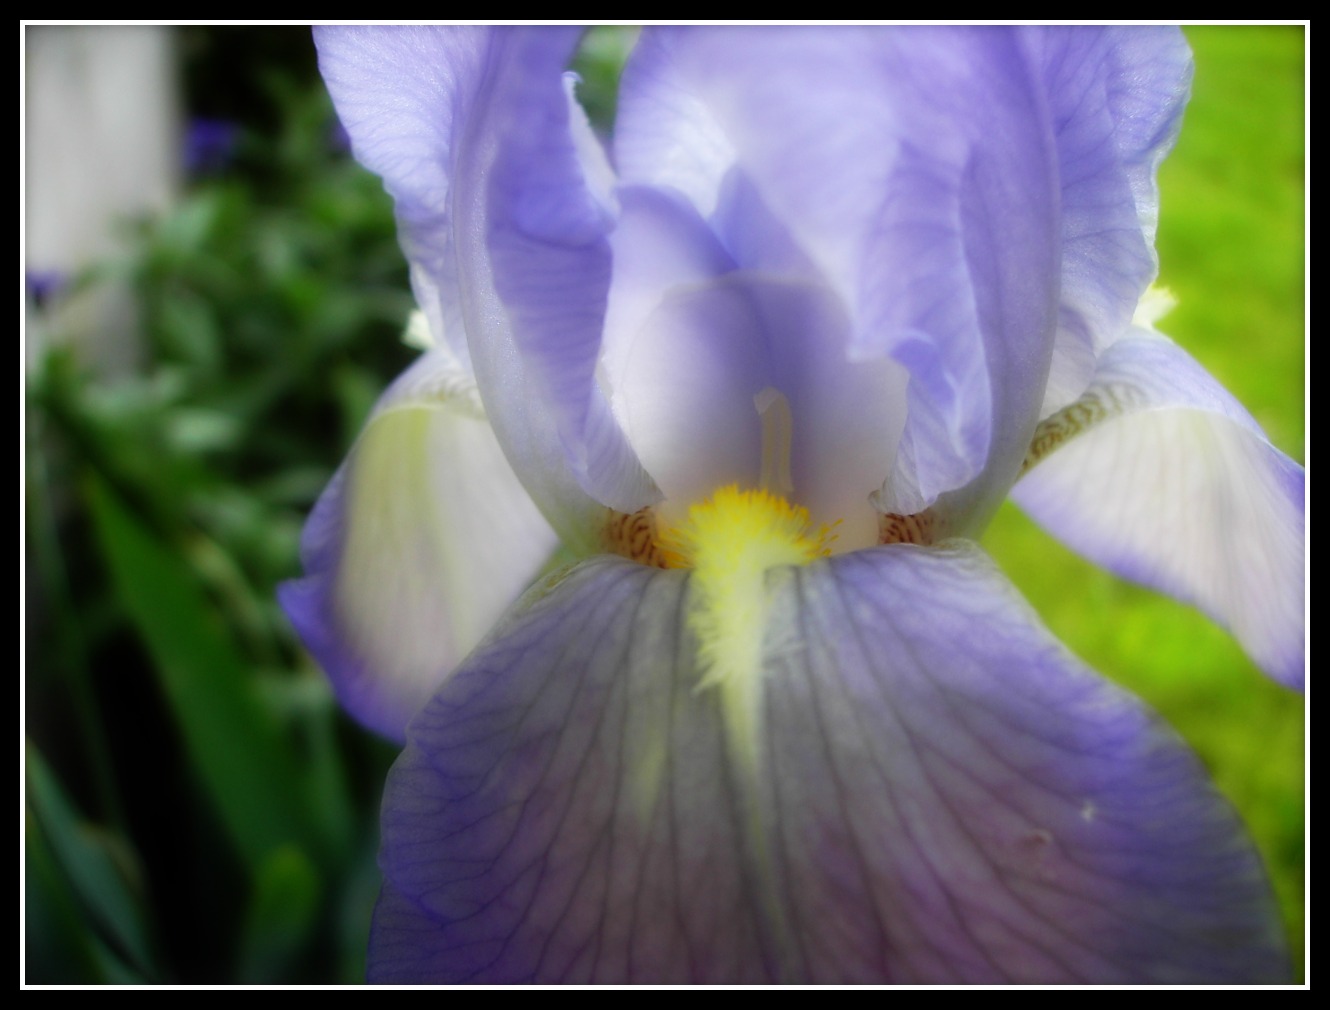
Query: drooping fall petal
x=941 y=793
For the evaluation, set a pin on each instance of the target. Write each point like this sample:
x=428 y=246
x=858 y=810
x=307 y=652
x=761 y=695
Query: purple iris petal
x=943 y=794
x=497 y=198
x=695 y=366
x=1167 y=480
x=406 y=134
x=1116 y=99
x=925 y=245
x=915 y=171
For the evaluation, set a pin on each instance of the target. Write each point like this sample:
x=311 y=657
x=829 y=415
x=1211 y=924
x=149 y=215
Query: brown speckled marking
x=633 y=536
x=1096 y=405
x=1065 y=424
x=894 y=528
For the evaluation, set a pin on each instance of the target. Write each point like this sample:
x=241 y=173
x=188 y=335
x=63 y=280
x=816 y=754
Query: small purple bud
x=210 y=146
x=44 y=285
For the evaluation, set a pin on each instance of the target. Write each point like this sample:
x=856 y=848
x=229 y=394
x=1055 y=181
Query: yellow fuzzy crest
x=730 y=541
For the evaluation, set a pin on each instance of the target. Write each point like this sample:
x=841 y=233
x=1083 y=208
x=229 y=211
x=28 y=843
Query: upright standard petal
x=1158 y=474
x=403 y=96
x=1116 y=97
x=420 y=543
x=911 y=172
x=942 y=793
x=504 y=209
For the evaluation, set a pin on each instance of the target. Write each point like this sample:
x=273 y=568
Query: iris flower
x=766 y=365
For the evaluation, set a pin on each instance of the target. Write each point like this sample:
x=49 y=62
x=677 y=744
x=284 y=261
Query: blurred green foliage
x=197 y=807
x=176 y=731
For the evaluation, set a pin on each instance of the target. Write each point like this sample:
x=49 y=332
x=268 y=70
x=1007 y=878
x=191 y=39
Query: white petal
x=1166 y=480
x=421 y=541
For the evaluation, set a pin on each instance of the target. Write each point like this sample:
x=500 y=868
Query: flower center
x=731 y=541
x=736 y=530
x=729 y=518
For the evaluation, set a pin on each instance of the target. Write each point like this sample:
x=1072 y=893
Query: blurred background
x=213 y=299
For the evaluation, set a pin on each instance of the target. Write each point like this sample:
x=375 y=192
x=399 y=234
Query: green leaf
x=85 y=868
x=281 y=917
x=234 y=742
